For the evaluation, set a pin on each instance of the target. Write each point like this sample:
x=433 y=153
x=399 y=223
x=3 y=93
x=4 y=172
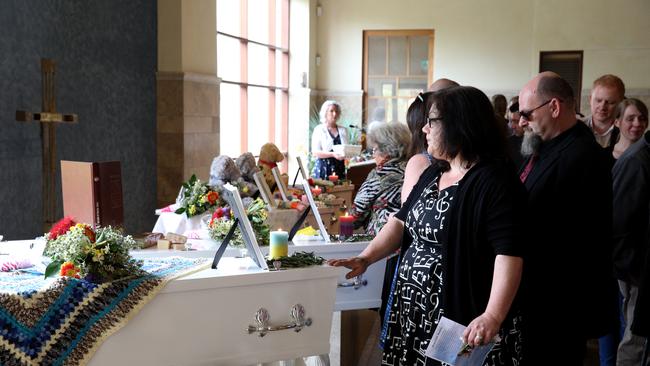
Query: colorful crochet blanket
x=63 y=321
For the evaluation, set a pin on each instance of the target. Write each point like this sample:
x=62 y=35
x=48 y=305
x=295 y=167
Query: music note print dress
x=417 y=300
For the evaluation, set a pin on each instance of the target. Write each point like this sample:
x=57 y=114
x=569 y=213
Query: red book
x=92 y=192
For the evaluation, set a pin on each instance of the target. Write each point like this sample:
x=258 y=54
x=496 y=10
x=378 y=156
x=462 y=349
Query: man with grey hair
x=568 y=268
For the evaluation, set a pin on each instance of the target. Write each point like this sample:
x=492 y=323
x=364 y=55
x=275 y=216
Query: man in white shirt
x=606 y=92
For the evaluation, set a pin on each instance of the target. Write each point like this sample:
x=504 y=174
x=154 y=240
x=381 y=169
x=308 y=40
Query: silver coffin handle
x=262 y=319
x=356 y=283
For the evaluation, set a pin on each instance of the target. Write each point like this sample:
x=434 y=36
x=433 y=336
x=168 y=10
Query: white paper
x=447 y=341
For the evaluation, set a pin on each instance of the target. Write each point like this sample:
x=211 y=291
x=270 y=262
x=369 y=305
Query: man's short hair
x=554 y=86
x=610 y=81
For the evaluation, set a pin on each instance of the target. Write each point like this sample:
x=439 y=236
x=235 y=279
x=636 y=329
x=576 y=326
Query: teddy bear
x=224 y=170
x=247 y=166
x=269 y=158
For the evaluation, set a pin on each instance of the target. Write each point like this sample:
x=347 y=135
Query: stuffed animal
x=224 y=170
x=246 y=164
x=269 y=158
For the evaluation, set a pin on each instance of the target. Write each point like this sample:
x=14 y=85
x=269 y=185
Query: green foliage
x=297 y=260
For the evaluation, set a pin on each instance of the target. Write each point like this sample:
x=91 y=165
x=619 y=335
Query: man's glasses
x=430 y=120
x=527 y=114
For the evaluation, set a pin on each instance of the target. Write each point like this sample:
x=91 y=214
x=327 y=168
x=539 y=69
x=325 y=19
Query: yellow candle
x=279 y=244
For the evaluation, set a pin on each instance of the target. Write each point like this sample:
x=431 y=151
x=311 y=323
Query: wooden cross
x=48 y=117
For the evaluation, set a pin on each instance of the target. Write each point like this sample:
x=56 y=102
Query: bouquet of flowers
x=196 y=197
x=98 y=255
x=222 y=220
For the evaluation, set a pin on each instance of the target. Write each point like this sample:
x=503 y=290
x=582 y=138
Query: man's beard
x=531 y=143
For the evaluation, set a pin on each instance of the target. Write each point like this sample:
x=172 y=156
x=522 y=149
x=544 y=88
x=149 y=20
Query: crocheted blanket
x=63 y=321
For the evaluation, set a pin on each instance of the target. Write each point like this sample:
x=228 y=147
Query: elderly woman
x=380 y=195
x=325 y=136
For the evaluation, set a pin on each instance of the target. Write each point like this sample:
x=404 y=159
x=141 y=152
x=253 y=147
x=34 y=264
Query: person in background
x=606 y=92
x=418 y=157
x=631 y=227
x=568 y=269
x=325 y=136
x=500 y=103
x=460 y=234
x=380 y=194
x=516 y=131
x=631 y=121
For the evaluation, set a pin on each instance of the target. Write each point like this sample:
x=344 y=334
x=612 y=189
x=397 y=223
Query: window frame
x=278 y=81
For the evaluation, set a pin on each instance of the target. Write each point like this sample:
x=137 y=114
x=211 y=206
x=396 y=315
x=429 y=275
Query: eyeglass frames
x=430 y=120
x=527 y=114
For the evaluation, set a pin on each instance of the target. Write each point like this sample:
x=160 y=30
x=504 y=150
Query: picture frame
x=310 y=198
x=232 y=197
x=280 y=184
x=265 y=191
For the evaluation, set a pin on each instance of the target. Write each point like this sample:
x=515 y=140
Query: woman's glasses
x=430 y=120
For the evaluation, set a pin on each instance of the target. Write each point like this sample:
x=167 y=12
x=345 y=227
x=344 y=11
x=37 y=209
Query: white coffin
x=367 y=293
x=202 y=319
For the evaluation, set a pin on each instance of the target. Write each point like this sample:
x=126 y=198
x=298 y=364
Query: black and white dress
x=417 y=300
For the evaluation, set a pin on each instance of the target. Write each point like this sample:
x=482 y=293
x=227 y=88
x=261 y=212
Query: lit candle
x=316 y=191
x=346 y=225
x=279 y=244
x=334 y=178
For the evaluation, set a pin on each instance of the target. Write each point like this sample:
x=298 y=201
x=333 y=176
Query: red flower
x=61 y=227
x=68 y=269
x=212 y=197
x=310 y=181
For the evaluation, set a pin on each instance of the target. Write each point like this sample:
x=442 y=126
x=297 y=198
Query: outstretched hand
x=358 y=265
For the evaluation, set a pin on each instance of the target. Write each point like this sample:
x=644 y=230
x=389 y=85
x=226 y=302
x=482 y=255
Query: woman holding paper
x=460 y=233
x=325 y=136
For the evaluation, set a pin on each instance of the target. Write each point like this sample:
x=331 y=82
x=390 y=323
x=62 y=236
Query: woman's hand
x=358 y=265
x=338 y=157
x=481 y=330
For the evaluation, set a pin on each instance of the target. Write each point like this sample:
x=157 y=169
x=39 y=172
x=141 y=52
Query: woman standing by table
x=327 y=134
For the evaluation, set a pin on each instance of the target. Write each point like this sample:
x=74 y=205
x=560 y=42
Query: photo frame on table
x=265 y=191
x=231 y=195
x=284 y=191
x=312 y=205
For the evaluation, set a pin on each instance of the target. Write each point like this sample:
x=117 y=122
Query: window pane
x=402 y=106
x=228 y=16
x=230 y=120
x=411 y=86
x=258 y=118
x=228 y=52
x=258 y=20
x=376 y=55
x=419 y=57
x=258 y=64
x=397 y=56
x=381 y=87
x=279 y=67
x=281 y=39
x=391 y=110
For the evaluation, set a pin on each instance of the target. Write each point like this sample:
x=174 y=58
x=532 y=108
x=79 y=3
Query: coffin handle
x=262 y=319
x=356 y=283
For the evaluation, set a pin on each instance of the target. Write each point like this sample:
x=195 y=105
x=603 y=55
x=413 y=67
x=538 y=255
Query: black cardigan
x=485 y=220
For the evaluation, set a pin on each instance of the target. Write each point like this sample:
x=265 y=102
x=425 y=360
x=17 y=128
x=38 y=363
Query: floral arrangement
x=96 y=254
x=222 y=220
x=196 y=197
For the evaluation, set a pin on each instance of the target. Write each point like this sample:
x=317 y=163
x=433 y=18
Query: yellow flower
x=204 y=199
x=192 y=210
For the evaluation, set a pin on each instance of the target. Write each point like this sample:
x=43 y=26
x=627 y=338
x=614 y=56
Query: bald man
x=442 y=83
x=568 y=269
